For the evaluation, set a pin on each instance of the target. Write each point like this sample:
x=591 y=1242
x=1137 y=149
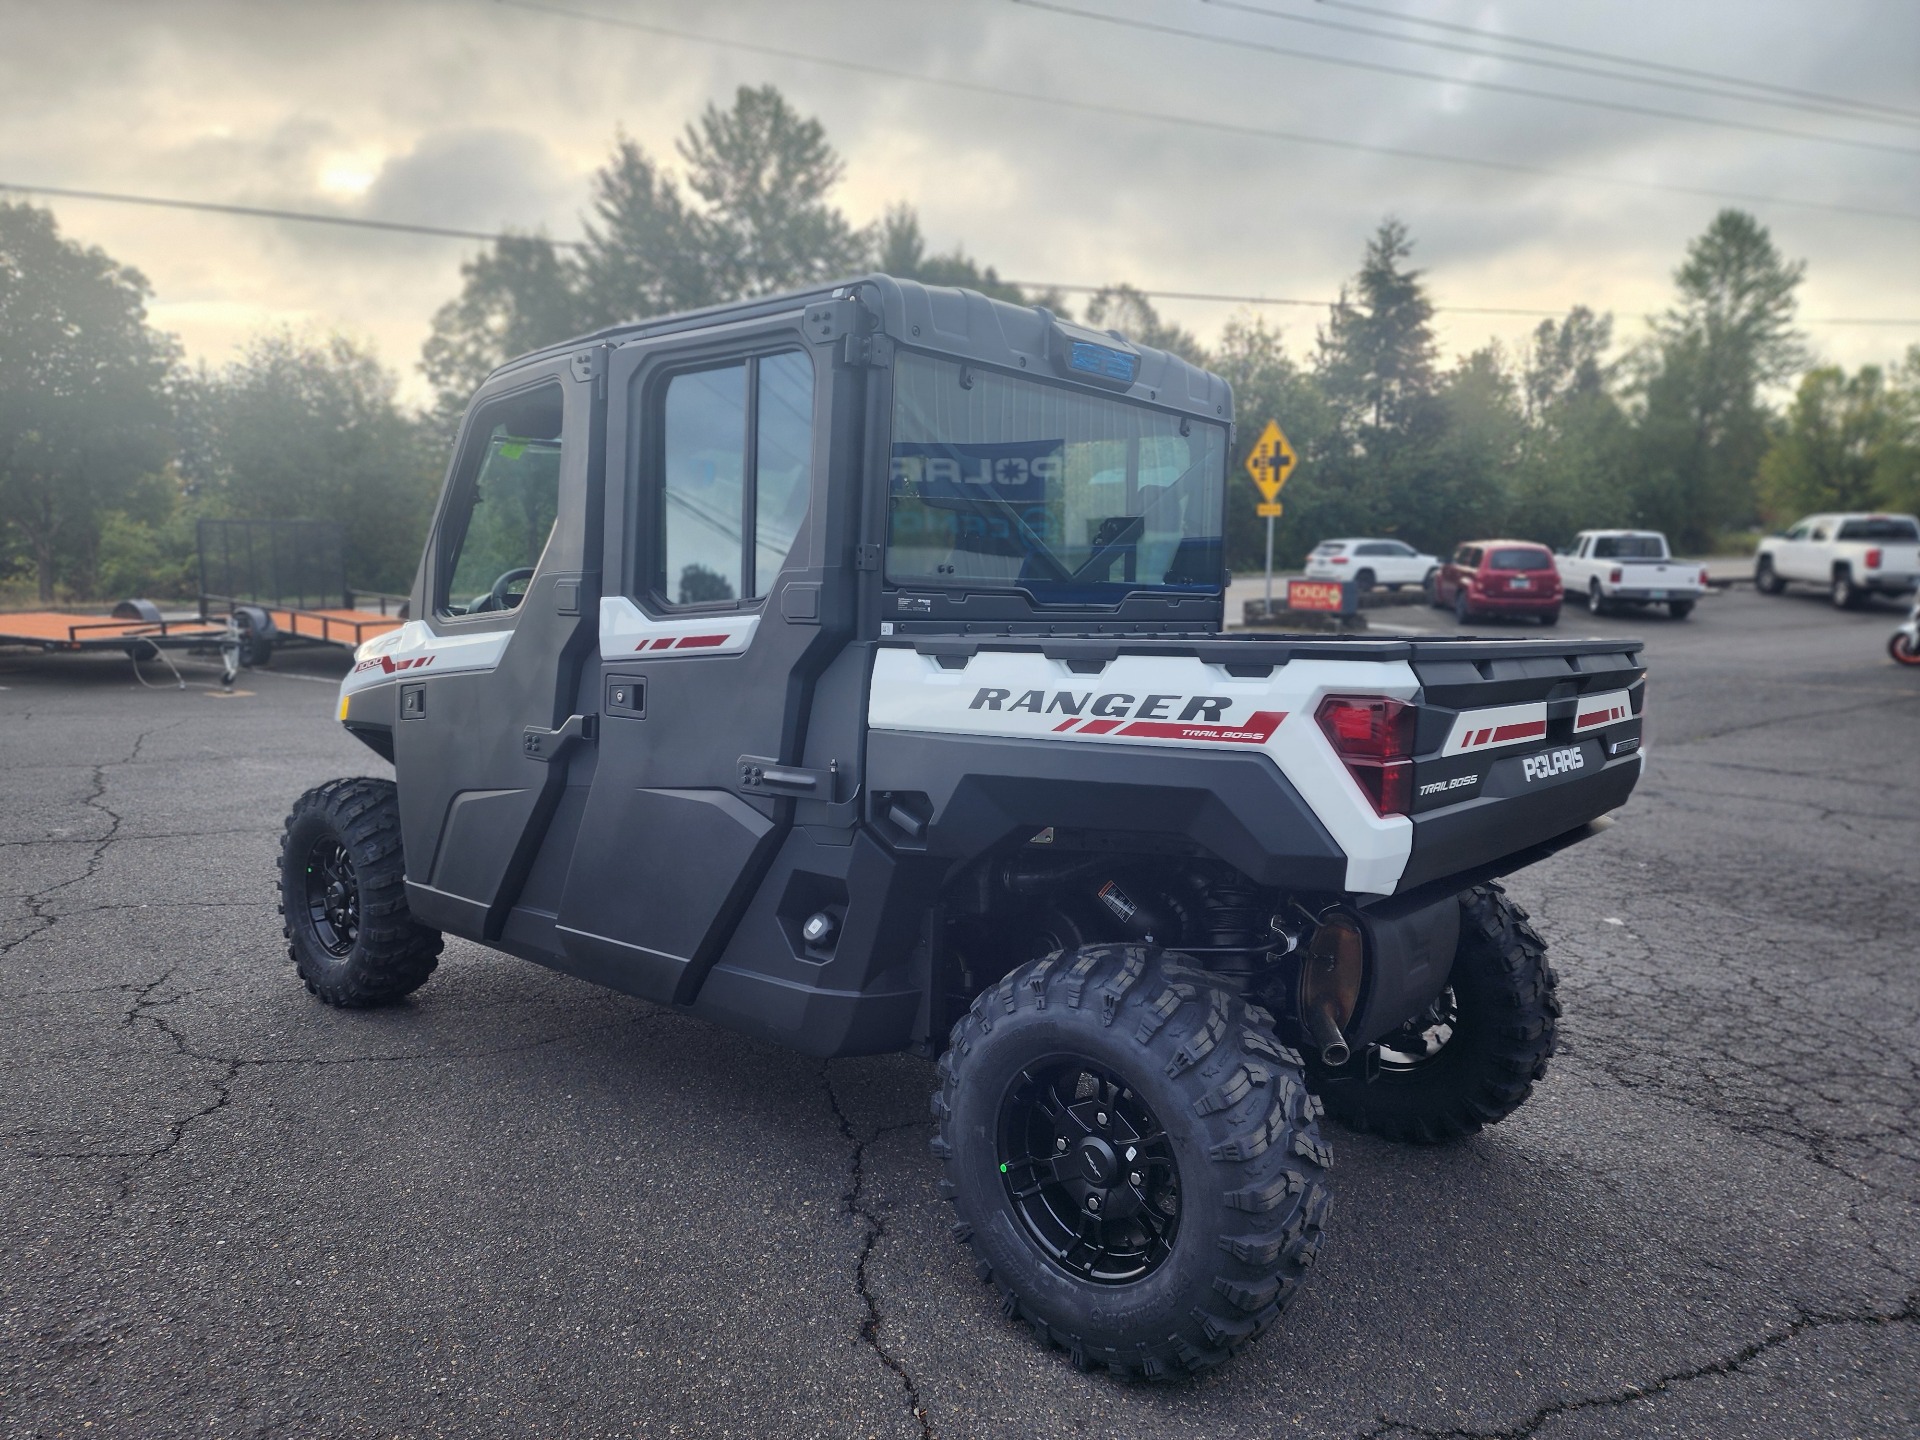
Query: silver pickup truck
x=1617 y=568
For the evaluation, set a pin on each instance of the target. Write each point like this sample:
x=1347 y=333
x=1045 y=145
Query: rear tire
x=1473 y=1057
x=1432 y=586
x=343 y=897
x=1169 y=1249
x=1551 y=617
x=1363 y=582
x=1679 y=609
x=1462 y=611
x=1766 y=579
x=1596 y=602
x=1845 y=594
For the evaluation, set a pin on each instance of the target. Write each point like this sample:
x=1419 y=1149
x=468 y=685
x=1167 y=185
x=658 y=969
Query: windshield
x=1630 y=547
x=1074 y=498
x=1518 y=559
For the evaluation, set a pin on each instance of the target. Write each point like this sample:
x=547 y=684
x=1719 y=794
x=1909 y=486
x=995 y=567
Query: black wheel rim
x=1418 y=1042
x=333 y=896
x=1089 y=1170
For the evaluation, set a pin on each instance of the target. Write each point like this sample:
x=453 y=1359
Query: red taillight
x=1703 y=577
x=1374 y=738
x=1873 y=558
x=1614 y=578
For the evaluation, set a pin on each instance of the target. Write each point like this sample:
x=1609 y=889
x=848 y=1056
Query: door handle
x=759 y=773
x=549 y=745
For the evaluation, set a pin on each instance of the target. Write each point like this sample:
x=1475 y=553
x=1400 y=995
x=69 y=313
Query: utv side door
x=508 y=589
x=729 y=591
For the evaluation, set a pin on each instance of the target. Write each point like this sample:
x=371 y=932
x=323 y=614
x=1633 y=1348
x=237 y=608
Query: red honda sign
x=1327 y=595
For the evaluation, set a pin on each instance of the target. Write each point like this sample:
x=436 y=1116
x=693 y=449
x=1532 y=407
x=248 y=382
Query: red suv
x=1498 y=577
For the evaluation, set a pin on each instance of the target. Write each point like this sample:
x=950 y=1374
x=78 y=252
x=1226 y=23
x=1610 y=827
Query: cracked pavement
x=519 y=1205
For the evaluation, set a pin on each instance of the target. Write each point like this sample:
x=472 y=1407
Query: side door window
x=506 y=498
x=736 y=462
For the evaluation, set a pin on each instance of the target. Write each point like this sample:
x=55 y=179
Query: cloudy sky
x=481 y=114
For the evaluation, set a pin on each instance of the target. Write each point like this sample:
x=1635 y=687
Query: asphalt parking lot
x=518 y=1205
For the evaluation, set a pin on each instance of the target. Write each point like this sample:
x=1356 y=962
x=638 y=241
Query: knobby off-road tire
x=1472 y=1058
x=343 y=896
x=1224 y=1123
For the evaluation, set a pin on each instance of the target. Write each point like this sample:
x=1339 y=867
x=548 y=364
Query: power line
x=1840 y=109
x=262 y=212
x=1376 y=67
x=1224 y=127
x=1629 y=60
x=315 y=217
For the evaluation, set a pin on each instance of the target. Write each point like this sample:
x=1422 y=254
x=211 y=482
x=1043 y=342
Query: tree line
x=111 y=447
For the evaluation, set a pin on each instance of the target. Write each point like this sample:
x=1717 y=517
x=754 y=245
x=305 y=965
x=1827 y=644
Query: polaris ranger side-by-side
x=847 y=668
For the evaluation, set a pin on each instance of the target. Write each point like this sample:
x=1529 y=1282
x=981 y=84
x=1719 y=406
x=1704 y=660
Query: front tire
x=1133 y=1158
x=1472 y=1057
x=1551 y=617
x=1766 y=579
x=343 y=897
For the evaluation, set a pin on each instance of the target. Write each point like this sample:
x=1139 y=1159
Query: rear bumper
x=1530 y=604
x=1654 y=595
x=1494 y=834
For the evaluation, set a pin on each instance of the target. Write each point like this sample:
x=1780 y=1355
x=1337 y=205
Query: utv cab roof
x=964 y=325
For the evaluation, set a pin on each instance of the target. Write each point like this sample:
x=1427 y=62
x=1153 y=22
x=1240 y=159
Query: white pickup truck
x=1614 y=568
x=1854 y=556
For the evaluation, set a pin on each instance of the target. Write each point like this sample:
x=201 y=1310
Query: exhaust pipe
x=1331 y=974
x=1326 y=1036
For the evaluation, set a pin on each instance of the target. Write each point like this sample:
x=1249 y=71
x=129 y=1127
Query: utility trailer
x=846 y=668
x=263 y=584
x=289 y=579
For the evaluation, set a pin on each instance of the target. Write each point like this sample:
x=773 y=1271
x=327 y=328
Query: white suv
x=1367 y=563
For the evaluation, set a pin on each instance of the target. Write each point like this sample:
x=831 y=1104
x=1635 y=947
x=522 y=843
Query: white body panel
x=414 y=647
x=1152 y=700
x=626 y=630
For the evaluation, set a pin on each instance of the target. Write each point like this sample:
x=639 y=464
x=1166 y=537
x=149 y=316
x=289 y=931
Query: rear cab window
x=998 y=482
x=1881 y=527
x=1629 y=547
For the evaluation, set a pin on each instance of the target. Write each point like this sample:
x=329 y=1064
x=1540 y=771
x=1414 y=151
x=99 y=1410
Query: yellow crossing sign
x=1270 y=462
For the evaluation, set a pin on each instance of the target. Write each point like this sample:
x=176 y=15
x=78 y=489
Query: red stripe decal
x=701 y=642
x=1525 y=730
x=1065 y=725
x=1260 y=725
x=1099 y=727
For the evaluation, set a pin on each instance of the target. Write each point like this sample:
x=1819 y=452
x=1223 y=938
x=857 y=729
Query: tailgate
x=1515 y=750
